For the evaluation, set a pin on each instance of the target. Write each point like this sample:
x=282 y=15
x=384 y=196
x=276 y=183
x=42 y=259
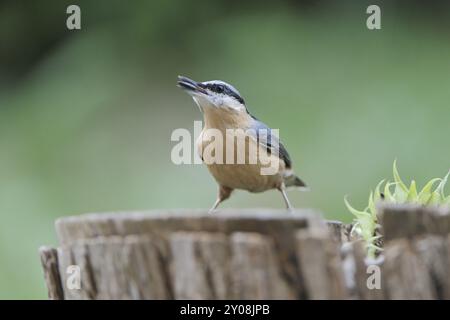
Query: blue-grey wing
x=269 y=141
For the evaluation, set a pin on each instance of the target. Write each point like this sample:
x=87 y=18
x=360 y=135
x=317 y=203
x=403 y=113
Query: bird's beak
x=191 y=86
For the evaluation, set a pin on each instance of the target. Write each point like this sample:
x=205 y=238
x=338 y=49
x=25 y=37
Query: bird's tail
x=293 y=181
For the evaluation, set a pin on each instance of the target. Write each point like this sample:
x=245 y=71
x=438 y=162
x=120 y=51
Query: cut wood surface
x=246 y=254
x=49 y=261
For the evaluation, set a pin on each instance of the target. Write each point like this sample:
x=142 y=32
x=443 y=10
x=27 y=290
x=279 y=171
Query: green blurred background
x=86 y=116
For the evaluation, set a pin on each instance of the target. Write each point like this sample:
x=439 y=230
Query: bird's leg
x=224 y=193
x=282 y=189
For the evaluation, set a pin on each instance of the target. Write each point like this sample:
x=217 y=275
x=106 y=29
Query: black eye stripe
x=216 y=88
x=223 y=89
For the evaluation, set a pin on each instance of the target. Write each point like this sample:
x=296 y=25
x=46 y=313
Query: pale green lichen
x=366 y=221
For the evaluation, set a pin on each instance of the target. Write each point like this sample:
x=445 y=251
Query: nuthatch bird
x=224 y=108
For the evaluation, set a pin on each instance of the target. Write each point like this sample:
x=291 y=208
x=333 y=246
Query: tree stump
x=246 y=254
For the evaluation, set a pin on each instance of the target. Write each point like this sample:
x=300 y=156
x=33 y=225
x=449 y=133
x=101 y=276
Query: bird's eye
x=220 y=88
